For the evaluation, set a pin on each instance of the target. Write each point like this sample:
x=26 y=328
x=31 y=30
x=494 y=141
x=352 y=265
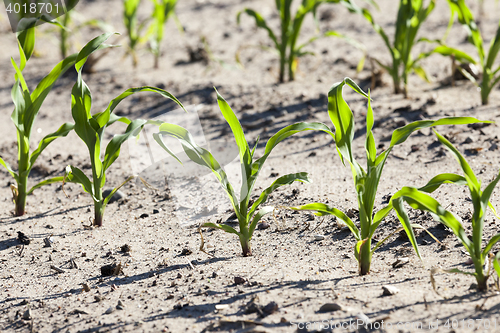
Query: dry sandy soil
x=168 y=285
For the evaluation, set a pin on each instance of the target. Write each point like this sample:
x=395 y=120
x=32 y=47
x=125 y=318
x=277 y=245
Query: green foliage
x=248 y=214
x=163 y=9
x=134 y=27
x=366 y=181
x=418 y=199
x=490 y=73
x=72 y=23
x=287 y=44
x=26 y=108
x=90 y=128
x=411 y=15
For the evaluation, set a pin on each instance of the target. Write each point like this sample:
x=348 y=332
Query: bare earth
x=168 y=285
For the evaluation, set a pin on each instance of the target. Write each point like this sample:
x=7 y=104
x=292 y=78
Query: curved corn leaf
x=323 y=209
x=8 y=168
x=473 y=183
x=92 y=46
x=263 y=211
x=378 y=217
x=444 y=178
x=114 y=103
x=496 y=263
x=422 y=201
x=466 y=18
x=113 y=147
x=61 y=132
x=106 y=200
x=397 y=203
x=224 y=227
x=26 y=35
x=75 y=175
x=401 y=134
x=281 y=135
x=200 y=156
x=261 y=23
x=239 y=135
x=283 y=180
x=495 y=239
x=343 y=120
x=46 y=182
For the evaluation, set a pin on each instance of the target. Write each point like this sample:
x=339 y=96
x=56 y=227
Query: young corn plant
x=90 y=128
x=163 y=9
x=26 y=108
x=411 y=15
x=287 y=44
x=366 y=181
x=419 y=199
x=248 y=214
x=490 y=73
x=134 y=27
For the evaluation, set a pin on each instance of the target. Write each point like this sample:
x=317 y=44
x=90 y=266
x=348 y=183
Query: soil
x=149 y=243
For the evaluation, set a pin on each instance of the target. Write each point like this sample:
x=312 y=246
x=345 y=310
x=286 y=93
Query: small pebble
x=27 y=314
x=270 y=308
x=319 y=237
x=239 y=280
x=109 y=310
x=389 y=290
x=330 y=307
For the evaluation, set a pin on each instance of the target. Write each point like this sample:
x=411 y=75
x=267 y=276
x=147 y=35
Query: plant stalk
x=485 y=89
x=20 y=200
x=365 y=257
x=245 y=246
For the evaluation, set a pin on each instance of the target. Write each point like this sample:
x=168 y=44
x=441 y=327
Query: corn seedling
x=71 y=29
x=163 y=9
x=411 y=15
x=366 y=182
x=134 y=27
x=287 y=44
x=248 y=214
x=490 y=74
x=90 y=128
x=26 y=108
x=418 y=199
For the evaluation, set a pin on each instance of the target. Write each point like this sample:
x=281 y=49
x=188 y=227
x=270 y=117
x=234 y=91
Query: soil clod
x=111 y=270
x=22 y=238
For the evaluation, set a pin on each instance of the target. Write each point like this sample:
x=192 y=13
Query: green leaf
x=283 y=180
x=261 y=23
x=343 y=119
x=422 y=201
x=46 y=182
x=113 y=147
x=61 y=132
x=470 y=177
x=495 y=239
x=75 y=175
x=263 y=211
x=401 y=134
x=444 y=178
x=92 y=46
x=224 y=227
x=106 y=200
x=200 y=156
x=8 y=168
x=323 y=209
x=397 y=203
x=114 y=103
